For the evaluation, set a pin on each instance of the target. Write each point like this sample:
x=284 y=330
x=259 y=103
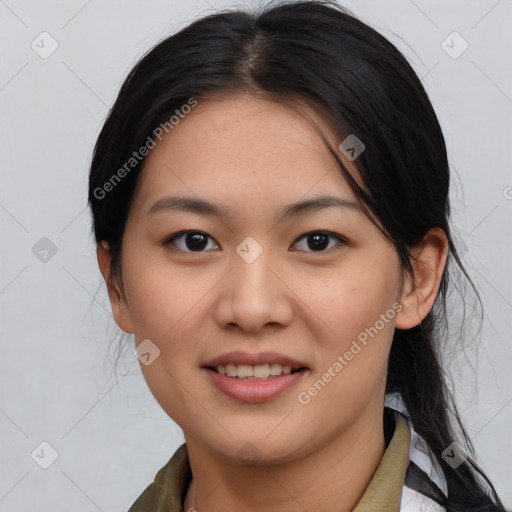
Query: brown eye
x=189 y=241
x=318 y=241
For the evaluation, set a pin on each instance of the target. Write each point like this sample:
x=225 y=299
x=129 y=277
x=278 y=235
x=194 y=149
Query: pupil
x=195 y=241
x=321 y=241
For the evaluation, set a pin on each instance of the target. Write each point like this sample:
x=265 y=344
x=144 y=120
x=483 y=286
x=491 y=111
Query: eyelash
x=170 y=240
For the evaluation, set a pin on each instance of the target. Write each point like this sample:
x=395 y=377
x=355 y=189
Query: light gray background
x=56 y=371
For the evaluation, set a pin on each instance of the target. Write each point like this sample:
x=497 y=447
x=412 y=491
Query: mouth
x=260 y=372
x=254 y=377
x=265 y=379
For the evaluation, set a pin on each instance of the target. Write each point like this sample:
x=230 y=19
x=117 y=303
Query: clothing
x=395 y=486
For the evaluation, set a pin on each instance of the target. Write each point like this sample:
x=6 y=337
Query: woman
x=270 y=204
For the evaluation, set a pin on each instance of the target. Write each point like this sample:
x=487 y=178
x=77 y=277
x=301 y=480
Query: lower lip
x=254 y=390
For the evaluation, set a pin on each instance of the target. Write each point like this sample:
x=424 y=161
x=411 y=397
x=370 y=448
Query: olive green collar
x=383 y=494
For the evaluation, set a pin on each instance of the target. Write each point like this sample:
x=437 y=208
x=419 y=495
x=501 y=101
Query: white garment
x=413 y=501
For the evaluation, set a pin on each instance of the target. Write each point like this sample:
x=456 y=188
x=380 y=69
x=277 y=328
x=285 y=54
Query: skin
x=256 y=156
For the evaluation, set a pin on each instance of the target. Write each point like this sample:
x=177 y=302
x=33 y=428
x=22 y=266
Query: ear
x=118 y=302
x=420 y=288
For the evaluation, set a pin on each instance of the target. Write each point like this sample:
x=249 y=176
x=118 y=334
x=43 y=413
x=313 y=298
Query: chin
x=251 y=450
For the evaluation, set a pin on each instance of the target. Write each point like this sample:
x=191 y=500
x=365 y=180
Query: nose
x=253 y=295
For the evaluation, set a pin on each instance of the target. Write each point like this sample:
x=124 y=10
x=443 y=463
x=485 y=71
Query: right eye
x=189 y=241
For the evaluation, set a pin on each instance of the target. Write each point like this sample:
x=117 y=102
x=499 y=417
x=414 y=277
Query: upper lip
x=240 y=357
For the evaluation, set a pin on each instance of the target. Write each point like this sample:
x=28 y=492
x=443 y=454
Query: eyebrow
x=203 y=207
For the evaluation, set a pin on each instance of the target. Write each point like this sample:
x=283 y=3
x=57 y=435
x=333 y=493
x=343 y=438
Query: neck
x=332 y=477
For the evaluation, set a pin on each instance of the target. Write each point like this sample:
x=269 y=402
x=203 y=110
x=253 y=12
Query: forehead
x=246 y=146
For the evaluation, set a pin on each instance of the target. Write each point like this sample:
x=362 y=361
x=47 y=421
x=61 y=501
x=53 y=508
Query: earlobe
x=421 y=286
x=118 y=302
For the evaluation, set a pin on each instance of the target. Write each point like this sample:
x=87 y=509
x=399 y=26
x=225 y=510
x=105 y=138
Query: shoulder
x=166 y=492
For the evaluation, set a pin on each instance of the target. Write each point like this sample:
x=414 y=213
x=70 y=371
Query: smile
x=258 y=372
x=247 y=387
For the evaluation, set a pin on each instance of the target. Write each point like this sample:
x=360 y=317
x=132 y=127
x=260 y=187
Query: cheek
x=164 y=301
x=166 y=309
x=351 y=301
x=357 y=306
x=352 y=362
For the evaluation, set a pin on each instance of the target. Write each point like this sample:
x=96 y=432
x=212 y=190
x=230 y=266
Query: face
x=318 y=287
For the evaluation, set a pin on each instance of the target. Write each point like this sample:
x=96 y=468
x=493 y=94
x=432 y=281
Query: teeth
x=261 y=371
x=231 y=370
x=244 y=371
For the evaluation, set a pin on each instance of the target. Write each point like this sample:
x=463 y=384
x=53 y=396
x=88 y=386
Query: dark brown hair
x=321 y=53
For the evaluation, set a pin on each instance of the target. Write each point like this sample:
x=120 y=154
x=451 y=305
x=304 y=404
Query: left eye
x=319 y=240
x=197 y=241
